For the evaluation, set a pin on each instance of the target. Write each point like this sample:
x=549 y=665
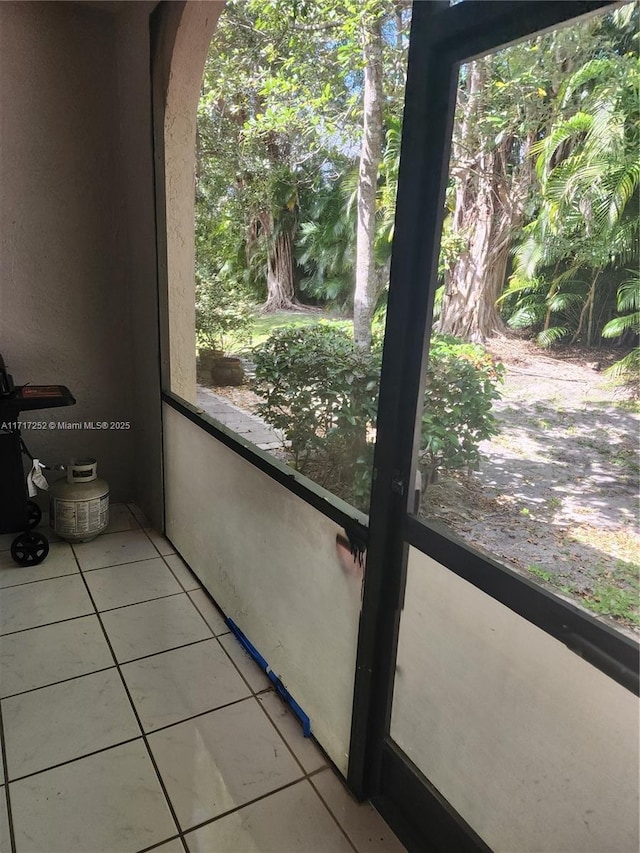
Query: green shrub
x=459 y=395
x=321 y=390
x=223 y=316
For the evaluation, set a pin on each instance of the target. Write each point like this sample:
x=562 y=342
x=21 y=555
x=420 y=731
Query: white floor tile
x=139 y=515
x=210 y=613
x=180 y=570
x=174 y=846
x=362 y=823
x=66 y=721
x=117 y=586
x=121 y=518
x=289 y=821
x=106 y=803
x=39 y=603
x=43 y=656
x=155 y=626
x=219 y=761
x=162 y=544
x=5 y=839
x=287 y=724
x=251 y=672
x=114 y=549
x=60 y=561
x=172 y=686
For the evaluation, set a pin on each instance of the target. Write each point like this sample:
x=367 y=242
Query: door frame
x=442 y=37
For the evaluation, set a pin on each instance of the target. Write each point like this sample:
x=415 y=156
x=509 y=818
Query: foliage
x=628 y=298
x=222 y=314
x=321 y=390
x=461 y=386
x=586 y=229
x=279 y=129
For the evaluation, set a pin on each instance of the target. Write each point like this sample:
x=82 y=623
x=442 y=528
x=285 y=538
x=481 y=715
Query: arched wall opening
x=185 y=32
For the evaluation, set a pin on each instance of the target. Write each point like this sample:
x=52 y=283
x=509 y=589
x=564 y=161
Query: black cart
x=18 y=514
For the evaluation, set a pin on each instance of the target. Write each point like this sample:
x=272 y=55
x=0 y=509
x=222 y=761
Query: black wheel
x=35 y=514
x=29 y=549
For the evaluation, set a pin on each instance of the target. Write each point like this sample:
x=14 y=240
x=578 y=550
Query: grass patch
x=612 y=601
x=263 y=326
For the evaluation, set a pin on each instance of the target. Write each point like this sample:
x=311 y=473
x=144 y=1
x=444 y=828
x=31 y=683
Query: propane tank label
x=78 y=517
x=65 y=516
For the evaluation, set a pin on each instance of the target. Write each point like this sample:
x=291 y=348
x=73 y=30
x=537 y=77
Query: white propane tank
x=79 y=503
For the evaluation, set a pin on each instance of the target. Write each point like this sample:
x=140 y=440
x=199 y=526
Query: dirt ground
x=556 y=495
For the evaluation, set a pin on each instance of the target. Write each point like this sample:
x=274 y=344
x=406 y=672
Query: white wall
x=269 y=560
x=534 y=747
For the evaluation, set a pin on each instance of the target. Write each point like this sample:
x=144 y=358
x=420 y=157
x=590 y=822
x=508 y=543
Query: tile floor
x=131 y=720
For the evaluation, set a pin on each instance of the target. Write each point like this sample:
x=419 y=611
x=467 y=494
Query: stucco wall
x=187 y=34
x=64 y=309
x=78 y=283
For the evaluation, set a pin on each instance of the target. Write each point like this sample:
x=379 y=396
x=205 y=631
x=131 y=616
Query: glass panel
x=529 y=449
x=298 y=140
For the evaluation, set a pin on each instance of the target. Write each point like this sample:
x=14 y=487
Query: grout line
x=164 y=557
x=161 y=534
x=46 y=624
x=214 y=605
x=253 y=692
x=324 y=803
x=144 y=601
x=200 y=588
x=5 y=769
x=53 y=683
x=280 y=734
x=244 y=805
x=76 y=758
x=37 y=580
x=164 y=651
x=199 y=714
x=138 y=720
x=162 y=843
x=115 y=565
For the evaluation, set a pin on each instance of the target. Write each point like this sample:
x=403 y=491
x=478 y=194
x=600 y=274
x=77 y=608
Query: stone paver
x=251 y=427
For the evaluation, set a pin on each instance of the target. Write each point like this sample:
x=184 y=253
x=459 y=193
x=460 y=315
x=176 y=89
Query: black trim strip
x=610 y=651
x=417 y=812
x=325 y=502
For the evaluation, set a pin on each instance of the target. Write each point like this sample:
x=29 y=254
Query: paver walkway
x=250 y=426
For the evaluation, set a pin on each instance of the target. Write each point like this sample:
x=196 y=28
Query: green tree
x=587 y=227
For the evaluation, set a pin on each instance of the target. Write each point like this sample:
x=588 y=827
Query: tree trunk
x=491 y=185
x=280 y=265
x=280 y=280
x=371 y=153
x=476 y=279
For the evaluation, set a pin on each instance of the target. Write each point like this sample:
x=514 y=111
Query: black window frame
x=442 y=38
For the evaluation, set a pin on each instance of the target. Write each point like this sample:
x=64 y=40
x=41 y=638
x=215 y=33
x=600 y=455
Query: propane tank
x=79 y=503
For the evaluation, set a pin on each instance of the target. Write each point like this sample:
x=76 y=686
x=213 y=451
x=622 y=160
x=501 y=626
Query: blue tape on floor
x=280 y=689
